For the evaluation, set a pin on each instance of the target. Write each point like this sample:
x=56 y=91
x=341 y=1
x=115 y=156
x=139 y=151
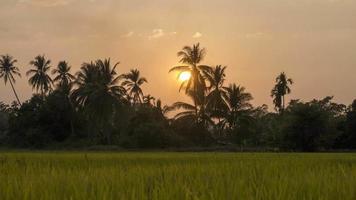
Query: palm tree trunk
x=283 y=104
x=13 y=89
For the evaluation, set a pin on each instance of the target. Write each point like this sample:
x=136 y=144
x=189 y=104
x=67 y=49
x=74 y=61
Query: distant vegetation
x=98 y=106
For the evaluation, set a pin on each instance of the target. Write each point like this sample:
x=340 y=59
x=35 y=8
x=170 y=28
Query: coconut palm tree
x=97 y=90
x=40 y=80
x=239 y=105
x=215 y=98
x=191 y=112
x=133 y=82
x=98 y=93
x=8 y=70
x=281 y=89
x=63 y=75
x=191 y=57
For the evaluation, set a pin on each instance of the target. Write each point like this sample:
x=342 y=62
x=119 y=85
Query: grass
x=79 y=175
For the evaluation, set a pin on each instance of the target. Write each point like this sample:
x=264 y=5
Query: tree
x=281 y=89
x=215 y=98
x=195 y=113
x=8 y=70
x=133 y=82
x=149 y=100
x=351 y=126
x=312 y=125
x=40 y=80
x=239 y=105
x=195 y=86
x=98 y=94
x=63 y=75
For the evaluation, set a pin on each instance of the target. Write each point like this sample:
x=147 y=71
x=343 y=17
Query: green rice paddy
x=169 y=176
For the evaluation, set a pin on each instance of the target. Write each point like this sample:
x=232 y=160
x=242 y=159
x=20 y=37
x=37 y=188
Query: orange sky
x=313 y=41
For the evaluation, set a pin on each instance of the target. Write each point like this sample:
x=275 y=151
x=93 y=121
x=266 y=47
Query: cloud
x=129 y=34
x=197 y=35
x=156 y=33
x=45 y=3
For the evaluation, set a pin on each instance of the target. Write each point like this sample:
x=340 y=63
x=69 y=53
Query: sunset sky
x=313 y=41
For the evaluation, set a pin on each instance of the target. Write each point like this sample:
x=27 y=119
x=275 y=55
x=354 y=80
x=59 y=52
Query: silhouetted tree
x=133 y=82
x=215 y=98
x=190 y=112
x=239 y=105
x=63 y=76
x=98 y=93
x=8 y=70
x=280 y=90
x=40 y=80
x=195 y=86
x=148 y=100
x=312 y=125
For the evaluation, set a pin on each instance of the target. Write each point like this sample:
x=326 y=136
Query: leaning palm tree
x=8 y=70
x=191 y=57
x=239 y=105
x=133 y=82
x=40 y=80
x=280 y=90
x=63 y=75
x=98 y=93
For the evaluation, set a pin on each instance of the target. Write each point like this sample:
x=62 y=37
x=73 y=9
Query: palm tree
x=149 y=100
x=191 y=57
x=191 y=112
x=98 y=94
x=215 y=97
x=64 y=77
x=239 y=105
x=133 y=82
x=97 y=90
x=40 y=80
x=8 y=70
x=281 y=89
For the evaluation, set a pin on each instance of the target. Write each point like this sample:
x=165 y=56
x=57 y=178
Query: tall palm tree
x=133 y=82
x=239 y=105
x=215 y=97
x=8 y=70
x=191 y=57
x=63 y=75
x=281 y=89
x=40 y=80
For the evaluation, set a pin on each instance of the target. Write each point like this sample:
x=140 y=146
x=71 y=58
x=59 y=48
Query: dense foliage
x=98 y=106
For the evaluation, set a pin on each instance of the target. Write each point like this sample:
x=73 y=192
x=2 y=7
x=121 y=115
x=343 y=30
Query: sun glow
x=184 y=76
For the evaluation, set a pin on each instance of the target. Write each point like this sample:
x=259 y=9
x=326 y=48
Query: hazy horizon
x=313 y=41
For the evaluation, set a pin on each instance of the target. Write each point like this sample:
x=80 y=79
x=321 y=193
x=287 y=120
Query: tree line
x=98 y=106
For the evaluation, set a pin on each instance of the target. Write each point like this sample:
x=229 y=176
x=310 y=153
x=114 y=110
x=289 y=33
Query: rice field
x=81 y=175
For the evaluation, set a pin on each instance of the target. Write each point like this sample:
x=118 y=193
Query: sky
x=313 y=41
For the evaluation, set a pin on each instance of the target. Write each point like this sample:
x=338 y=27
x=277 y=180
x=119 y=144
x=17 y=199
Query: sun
x=184 y=76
